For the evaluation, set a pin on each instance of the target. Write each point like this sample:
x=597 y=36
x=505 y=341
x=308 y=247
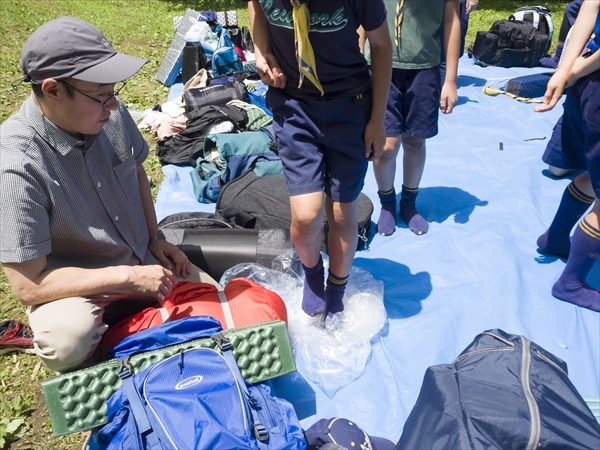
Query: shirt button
x=99 y=184
x=116 y=217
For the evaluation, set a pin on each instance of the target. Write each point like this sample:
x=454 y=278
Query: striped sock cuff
x=581 y=196
x=412 y=191
x=335 y=280
x=589 y=230
x=390 y=192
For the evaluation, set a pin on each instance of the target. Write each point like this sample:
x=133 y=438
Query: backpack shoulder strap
x=259 y=430
x=137 y=408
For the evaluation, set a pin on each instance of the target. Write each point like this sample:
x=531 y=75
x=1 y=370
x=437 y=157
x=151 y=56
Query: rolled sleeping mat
x=215 y=250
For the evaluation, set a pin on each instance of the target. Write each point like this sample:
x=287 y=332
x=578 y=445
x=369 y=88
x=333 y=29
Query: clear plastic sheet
x=334 y=352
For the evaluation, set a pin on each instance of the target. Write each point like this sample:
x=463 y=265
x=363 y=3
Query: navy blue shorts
x=413 y=105
x=581 y=128
x=553 y=153
x=321 y=143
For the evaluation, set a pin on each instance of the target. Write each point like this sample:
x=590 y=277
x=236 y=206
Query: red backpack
x=243 y=302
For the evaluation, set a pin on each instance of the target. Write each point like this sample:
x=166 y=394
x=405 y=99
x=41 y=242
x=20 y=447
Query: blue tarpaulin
x=488 y=196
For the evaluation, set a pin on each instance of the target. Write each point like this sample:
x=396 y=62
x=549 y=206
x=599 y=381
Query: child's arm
x=572 y=67
x=381 y=69
x=267 y=66
x=362 y=37
x=451 y=26
x=584 y=66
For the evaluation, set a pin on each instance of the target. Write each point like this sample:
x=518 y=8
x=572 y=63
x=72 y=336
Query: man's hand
x=153 y=280
x=167 y=253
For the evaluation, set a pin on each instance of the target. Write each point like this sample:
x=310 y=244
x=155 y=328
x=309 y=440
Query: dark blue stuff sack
x=502 y=392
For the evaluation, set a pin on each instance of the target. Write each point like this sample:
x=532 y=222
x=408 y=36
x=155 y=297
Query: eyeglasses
x=119 y=87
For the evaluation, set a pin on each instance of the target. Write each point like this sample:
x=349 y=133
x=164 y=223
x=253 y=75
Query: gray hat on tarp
x=69 y=47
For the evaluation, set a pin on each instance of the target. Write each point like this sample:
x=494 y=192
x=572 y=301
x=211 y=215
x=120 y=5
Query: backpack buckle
x=260 y=432
x=222 y=342
x=124 y=368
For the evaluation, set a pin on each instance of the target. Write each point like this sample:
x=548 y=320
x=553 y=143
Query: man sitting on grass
x=79 y=231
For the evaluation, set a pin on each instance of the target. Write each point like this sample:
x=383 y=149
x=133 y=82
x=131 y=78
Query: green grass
x=143 y=28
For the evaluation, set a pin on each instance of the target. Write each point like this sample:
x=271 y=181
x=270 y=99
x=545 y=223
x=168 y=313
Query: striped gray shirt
x=76 y=202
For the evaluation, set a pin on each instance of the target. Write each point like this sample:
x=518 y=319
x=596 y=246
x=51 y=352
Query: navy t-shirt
x=341 y=67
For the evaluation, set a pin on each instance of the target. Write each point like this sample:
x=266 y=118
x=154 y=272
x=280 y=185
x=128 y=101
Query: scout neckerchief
x=304 y=51
x=398 y=22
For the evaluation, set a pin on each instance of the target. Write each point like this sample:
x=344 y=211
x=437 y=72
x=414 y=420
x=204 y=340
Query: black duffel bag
x=510 y=43
x=256 y=202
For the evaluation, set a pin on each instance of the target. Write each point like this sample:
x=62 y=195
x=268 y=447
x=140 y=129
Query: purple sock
x=549 y=61
x=573 y=205
x=313 y=296
x=334 y=293
x=386 y=224
x=552 y=61
x=408 y=211
x=571 y=286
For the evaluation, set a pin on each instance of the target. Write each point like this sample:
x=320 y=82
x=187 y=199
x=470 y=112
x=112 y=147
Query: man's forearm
x=34 y=285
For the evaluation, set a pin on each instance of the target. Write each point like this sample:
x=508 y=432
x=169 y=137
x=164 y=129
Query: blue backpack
x=225 y=58
x=195 y=399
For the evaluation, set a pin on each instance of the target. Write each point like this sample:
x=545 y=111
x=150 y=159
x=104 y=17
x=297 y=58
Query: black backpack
x=252 y=201
x=515 y=43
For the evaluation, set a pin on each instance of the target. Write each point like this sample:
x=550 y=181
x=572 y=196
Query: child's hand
x=471 y=5
x=448 y=98
x=374 y=139
x=270 y=72
x=554 y=91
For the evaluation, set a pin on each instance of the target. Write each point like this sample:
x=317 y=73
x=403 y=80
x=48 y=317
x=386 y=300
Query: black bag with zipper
x=502 y=392
x=214 y=94
x=511 y=43
x=251 y=201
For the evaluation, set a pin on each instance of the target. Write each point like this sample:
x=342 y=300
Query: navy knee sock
x=571 y=286
x=573 y=205
x=408 y=211
x=386 y=224
x=552 y=61
x=336 y=287
x=313 y=296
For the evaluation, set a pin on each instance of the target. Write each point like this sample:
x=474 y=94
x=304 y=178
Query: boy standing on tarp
x=415 y=99
x=328 y=113
x=580 y=150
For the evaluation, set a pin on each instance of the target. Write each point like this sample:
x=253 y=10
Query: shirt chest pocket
x=126 y=174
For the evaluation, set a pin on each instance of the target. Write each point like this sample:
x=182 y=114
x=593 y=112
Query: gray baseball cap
x=69 y=47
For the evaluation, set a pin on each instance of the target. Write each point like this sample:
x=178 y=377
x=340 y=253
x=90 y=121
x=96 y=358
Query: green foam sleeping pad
x=76 y=400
